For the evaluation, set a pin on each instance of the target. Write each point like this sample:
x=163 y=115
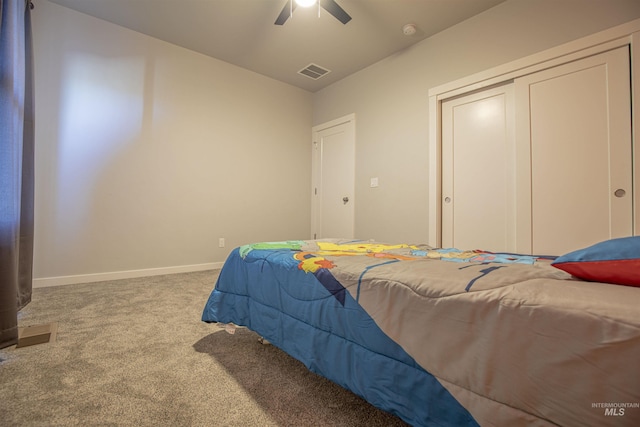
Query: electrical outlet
x=221 y=242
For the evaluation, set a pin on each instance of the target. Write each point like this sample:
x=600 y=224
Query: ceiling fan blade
x=287 y=10
x=333 y=8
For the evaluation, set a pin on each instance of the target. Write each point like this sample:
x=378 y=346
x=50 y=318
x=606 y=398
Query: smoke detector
x=409 y=29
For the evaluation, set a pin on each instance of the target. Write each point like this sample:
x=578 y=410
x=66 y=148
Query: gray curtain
x=16 y=164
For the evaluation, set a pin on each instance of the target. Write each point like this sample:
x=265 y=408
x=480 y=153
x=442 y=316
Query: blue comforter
x=320 y=324
x=442 y=337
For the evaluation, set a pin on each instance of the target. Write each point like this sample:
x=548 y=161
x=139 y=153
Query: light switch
x=374 y=182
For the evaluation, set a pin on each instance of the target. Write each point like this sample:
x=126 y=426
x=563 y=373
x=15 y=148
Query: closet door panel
x=477 y=163
x=575 y=119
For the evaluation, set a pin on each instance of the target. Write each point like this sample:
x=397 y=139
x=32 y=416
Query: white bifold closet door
x=542 y=164
x=573 y=125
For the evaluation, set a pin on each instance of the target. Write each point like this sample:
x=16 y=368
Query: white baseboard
x=116 y=275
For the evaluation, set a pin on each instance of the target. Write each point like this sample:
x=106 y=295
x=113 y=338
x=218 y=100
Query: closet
x=574 y=131
x=478 y=175
x=541 y=162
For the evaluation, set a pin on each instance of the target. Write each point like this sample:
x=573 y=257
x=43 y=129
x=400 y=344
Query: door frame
x=316 y=159
x=623 y=35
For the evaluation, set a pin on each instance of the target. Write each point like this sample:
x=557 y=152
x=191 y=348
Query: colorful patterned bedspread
x=443 y=336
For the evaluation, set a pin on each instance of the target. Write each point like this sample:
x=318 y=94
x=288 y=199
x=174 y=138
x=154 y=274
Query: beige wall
x=148 y=153
x=390 y=99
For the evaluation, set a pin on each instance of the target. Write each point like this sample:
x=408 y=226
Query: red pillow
x=612 y=261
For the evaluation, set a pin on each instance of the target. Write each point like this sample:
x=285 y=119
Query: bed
x=444 y=337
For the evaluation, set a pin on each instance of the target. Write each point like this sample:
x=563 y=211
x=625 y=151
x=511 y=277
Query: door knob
x=345 y=200
x=620 y=192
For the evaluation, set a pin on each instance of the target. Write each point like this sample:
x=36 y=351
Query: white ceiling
x=242 y=32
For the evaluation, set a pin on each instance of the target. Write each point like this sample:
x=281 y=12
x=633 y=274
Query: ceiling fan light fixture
x=305 y=3
x=330 y=6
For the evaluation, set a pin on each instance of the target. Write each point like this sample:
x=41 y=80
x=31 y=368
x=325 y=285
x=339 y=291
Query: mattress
x=443 y=337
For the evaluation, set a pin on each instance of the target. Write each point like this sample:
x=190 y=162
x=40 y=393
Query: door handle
x=620 y=192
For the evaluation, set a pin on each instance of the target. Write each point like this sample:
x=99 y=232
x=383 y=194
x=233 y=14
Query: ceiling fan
x=329 y=5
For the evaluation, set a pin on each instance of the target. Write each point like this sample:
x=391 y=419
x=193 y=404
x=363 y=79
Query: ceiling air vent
x=313 y=71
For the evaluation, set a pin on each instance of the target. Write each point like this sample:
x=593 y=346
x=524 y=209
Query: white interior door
x=574 y=130
x=333 y=193
x=478 y=198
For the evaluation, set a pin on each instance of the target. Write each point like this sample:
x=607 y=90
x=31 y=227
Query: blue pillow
x=612 y=261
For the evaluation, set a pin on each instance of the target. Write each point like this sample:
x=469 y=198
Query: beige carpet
x=135 y=353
